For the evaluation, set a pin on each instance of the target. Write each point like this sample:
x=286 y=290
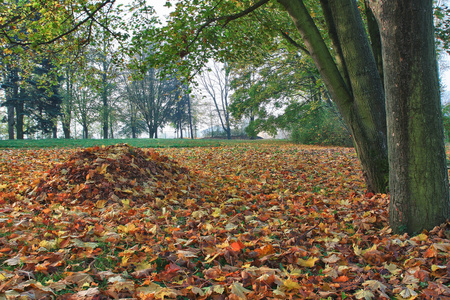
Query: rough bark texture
x=11 y=121
x=418 y=176
x=369 y=122
x=362 y=103
x=375 y=38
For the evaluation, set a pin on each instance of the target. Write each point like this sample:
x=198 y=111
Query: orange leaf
x=342 y=278
x=266 y=250
x=431 y=252
x=237 y=246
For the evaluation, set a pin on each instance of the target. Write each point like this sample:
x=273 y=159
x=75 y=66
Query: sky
x=445 y=78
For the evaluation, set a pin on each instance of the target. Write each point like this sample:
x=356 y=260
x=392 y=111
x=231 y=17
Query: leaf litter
x=243 y=222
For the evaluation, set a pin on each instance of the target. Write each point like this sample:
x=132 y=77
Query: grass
x=142 y=143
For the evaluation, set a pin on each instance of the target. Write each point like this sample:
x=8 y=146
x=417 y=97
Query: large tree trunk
x=85 y=131
x=358 y=93
x=11 y=121
x=66 y=127
x=419 y=192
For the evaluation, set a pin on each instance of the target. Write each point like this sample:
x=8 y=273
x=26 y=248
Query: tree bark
x=66 y=118
x=375 y=38
x=11 y=121
x=105 y=108
x=19 y=106
x=66 y=128
x=419 y=192
x=362 y=103
x=190 y=115
x=85 y=131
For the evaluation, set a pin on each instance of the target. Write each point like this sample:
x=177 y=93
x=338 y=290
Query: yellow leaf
x=153 y=229
x=357 y=250
x=100 y=203
x=128 y=228
x=221 y=278
x=421 y=237
x=363 y=294
x=219 y=289
x=3 y=186
x=217 y=212
x=308 y=263
x=392 y=268
x=102 y=169
x=170 y=293
x=126 y=203
x=291 y=285
x=2 y=277
x=436 y=267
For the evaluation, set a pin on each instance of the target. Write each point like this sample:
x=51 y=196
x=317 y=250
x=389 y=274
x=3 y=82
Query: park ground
x=226 y=220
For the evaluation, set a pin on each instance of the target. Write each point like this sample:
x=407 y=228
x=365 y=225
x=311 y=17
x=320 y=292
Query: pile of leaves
x=113 y=174
x=246 y=222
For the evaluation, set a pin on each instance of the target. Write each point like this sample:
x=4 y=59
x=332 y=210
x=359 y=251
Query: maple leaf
x=79 y=278
x=291 y=285
x=408 y=293
x=309 y=263
x=180 y=213
x=238 y=290
x=364 y=294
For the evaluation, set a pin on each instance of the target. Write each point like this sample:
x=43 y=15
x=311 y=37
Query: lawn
x=231 y=220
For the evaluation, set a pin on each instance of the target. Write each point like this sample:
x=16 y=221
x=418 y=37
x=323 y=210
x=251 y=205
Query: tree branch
x=73 y=29
x=294 y=43
x=228 y=18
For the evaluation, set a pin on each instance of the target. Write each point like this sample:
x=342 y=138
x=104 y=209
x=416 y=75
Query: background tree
x=11 y=88
x=216 y=84
x=85 y=108
x=155 y=96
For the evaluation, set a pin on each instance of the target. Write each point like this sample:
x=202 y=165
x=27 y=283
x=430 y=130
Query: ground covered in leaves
x=252 y=221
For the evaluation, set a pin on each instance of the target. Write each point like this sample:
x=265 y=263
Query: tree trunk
x=375 y=38
x=19 y=111
x=419 y=192
x=105 y=110
x=190 y=116
x=111 y=131
x=362 y=103
x=66 y=127
x=66 y=118
x=11 y=121
x=85 y=131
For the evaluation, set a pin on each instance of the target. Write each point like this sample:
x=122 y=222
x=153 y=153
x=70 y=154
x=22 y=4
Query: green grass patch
x=142 y=143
